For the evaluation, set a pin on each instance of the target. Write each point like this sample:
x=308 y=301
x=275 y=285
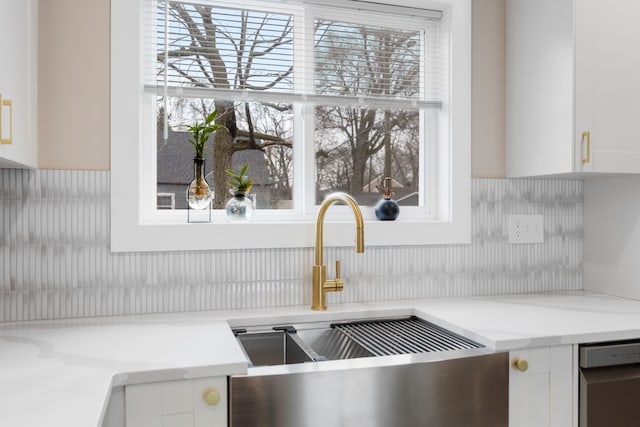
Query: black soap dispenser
x=387 y=209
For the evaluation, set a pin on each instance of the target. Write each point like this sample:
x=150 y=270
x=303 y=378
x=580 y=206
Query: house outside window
x=316 y=98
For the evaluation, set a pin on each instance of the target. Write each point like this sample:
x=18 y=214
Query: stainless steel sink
x=374 y=372
x=274 y=348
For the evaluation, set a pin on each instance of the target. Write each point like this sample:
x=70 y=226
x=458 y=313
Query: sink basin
x=332 y=344
x=274 y=348
x=284 y=345
x=311 y=342
x=368 y=372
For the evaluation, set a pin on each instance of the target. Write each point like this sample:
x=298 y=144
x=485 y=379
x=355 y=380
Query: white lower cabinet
x=542 y=391
x=183 y=403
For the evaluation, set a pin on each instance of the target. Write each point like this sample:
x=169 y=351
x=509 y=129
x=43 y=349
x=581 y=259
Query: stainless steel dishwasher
x=610 y=384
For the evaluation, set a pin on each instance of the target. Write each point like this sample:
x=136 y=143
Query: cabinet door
x=539 y=87
x=607 y=86
x=18 y=83
x=180 y=403
x=543 y=394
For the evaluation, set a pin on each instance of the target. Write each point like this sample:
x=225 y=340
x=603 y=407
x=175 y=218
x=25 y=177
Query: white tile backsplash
x=55 y=260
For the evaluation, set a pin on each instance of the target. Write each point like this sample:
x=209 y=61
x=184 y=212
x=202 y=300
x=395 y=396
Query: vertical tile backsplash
x=55 y=260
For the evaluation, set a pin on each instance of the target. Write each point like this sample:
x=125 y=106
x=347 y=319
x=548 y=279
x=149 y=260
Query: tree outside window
x=235 y=51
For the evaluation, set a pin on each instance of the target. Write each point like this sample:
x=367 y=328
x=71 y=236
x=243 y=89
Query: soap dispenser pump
x=387 y=209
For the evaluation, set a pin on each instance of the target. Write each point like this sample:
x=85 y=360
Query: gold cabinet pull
x=6 y=103
x=586 y=136
x=521 y=365
x=211 y=396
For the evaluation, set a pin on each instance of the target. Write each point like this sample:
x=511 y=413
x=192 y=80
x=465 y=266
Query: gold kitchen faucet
x=320 y=283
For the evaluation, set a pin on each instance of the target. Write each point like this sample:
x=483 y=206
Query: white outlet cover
x=526 y=229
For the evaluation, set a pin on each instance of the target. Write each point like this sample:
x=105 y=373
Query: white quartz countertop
x=60 y=372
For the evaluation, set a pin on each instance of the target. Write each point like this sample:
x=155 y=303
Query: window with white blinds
x=317 y=96
x=365 y=81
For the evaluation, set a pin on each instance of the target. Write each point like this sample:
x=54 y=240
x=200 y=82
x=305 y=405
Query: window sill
x=262 y=234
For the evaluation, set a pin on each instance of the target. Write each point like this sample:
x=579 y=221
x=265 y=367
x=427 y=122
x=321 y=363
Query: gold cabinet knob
x=521 y=365
x=211 y=396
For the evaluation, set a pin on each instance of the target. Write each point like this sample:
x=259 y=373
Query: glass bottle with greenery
x=199 y=193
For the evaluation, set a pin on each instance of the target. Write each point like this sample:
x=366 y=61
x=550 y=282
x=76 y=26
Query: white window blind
x=285 y=52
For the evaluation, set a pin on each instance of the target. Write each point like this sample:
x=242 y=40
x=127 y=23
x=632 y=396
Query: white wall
x=488 y=89
x=612 y=236
x=73 y=82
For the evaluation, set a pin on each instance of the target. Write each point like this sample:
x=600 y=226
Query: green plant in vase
x=239 y=182
x=201 y=132
x=239 y=207
x=199 y=193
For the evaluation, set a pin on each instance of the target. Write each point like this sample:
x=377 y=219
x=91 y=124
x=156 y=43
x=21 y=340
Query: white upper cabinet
x=18 y=84
x=573 y=85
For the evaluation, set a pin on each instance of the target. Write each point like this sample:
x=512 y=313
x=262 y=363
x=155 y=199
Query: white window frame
x=133 y=228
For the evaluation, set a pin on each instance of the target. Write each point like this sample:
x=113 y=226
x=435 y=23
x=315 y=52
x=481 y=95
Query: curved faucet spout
x=320 y=285
x=328 y=201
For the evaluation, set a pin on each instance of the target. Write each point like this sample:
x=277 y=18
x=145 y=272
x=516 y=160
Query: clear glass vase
x=199 y=193
x=239 y=207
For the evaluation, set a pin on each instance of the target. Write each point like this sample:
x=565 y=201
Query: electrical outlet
x=526 y=229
